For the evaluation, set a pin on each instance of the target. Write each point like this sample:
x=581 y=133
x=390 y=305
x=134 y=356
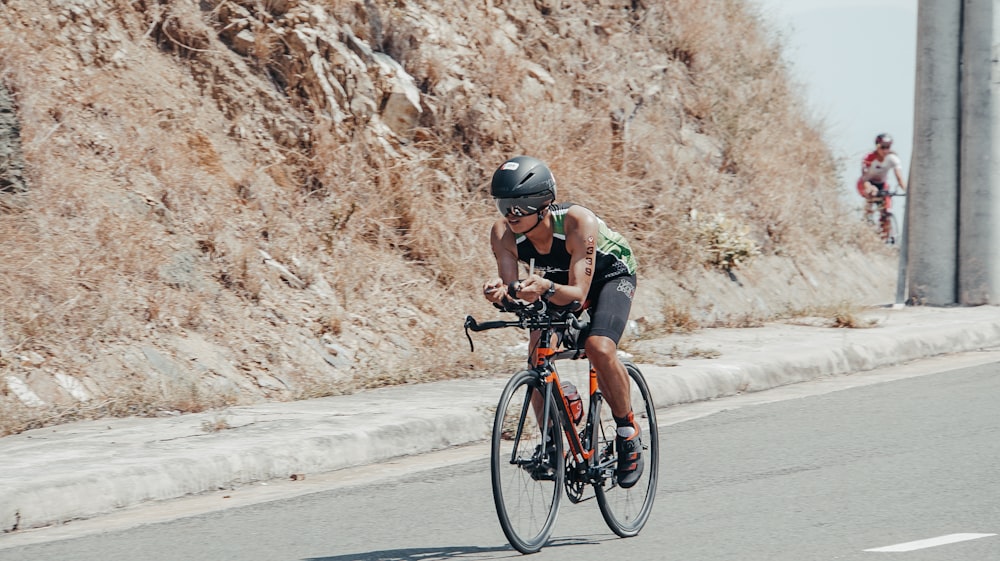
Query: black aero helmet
x=884 y=140
x=522 y=185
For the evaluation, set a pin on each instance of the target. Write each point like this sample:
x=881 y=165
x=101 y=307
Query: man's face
x=521 y=224
x=521 y=214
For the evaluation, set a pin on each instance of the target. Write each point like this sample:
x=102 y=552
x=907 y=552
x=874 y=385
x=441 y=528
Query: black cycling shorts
x=610 y=304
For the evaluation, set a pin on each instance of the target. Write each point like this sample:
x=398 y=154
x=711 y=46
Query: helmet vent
x=527 y=178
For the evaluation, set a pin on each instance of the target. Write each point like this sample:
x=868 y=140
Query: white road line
x=931 y=542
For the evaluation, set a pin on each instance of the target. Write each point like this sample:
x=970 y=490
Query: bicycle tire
x=526 y=496
x=626 y=510
x=893 y=234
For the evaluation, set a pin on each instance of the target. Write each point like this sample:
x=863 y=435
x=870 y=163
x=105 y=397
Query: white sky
x=857 y=62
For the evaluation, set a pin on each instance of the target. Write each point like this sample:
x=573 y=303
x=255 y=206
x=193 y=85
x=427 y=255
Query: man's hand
x=528 y=290
x=495 y=291
x=870 y=190
x=532 y=288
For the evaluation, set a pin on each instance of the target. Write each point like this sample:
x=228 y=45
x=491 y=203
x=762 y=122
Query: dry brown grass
x=129 y=398
x=839 y=315
x=216 y=424
x=157 y=181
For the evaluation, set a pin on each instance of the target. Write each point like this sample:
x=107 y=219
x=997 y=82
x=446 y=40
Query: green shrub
x=727 y=241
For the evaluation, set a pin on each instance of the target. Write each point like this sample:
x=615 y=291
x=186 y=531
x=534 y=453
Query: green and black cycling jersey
x=614 y=256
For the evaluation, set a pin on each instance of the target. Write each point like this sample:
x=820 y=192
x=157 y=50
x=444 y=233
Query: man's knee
x=599 y=346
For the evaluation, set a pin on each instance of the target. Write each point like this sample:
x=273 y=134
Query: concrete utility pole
x=954 y=239
x=979 y=210
x=933 y=189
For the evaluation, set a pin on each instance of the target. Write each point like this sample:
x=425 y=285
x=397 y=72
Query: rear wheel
x=626 y=510
x=527 y=476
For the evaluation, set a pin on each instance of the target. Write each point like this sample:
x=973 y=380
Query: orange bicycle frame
x=541 y=359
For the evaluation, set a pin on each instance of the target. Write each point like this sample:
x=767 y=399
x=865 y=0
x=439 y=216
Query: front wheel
x=527 y=475
x=890 y=229
x=626 y=510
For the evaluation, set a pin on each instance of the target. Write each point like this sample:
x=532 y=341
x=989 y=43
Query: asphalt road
x=816 y=471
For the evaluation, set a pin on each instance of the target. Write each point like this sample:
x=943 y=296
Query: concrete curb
x=117 y=463
x=798 y=359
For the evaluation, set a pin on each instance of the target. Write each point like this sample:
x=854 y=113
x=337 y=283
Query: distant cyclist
x=875 y=168
x=577 y=258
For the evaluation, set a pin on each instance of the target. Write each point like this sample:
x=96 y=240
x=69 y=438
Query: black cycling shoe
x=629 y=460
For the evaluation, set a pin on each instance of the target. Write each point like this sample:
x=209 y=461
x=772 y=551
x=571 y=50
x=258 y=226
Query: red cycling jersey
x=876 y=171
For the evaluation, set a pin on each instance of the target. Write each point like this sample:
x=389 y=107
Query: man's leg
x=612 y=303
x=611 y=375
x=614 y=382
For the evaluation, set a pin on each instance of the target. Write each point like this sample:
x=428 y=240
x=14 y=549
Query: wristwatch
x=550 y=292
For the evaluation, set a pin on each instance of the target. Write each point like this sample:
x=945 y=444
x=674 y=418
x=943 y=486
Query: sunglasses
x=885 y=146
x=516 y=207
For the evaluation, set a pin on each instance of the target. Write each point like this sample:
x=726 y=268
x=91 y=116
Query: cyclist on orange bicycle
x=875 y=168
x=580 y=259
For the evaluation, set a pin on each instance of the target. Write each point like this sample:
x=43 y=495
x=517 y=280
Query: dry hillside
x=213 y=202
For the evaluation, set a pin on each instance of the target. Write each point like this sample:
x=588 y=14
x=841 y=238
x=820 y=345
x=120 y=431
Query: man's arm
x=899 y=179
x=505 y=252
x=581 y=243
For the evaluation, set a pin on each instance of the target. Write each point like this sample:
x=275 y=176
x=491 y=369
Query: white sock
x=626 y=432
